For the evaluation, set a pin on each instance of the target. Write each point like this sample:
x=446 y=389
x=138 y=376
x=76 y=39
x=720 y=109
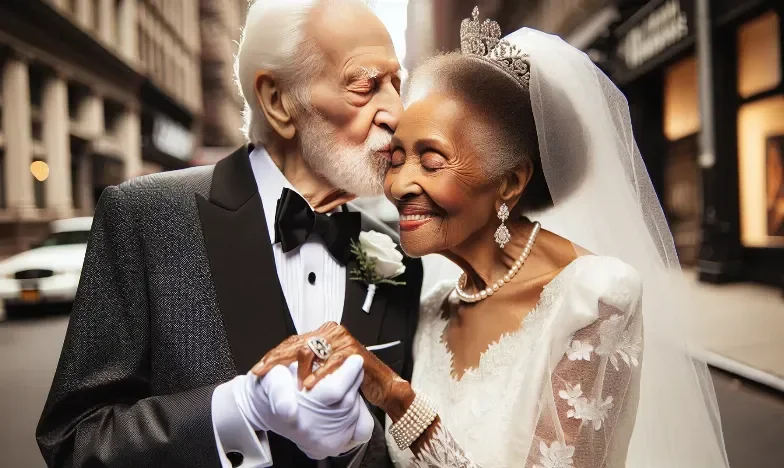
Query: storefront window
x=761 y=133
x=760 y=168
x=681 y=100
x=759 y=55
x=682 y=200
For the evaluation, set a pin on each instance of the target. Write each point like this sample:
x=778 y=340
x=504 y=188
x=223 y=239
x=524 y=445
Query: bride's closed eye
x=398 y=157
x=432 y=160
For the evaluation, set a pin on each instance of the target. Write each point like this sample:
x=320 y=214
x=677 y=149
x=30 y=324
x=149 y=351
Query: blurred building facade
x=98 y=91
x=221 y=25
x=726 y=209
x=726 y=206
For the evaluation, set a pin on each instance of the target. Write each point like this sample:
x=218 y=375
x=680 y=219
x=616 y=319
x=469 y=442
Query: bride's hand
x=381 y=386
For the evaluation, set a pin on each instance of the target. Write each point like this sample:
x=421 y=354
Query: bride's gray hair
x=506 y=108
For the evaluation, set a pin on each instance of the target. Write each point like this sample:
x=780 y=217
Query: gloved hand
x=326 y=421
x=333 y=417
x=268 y=404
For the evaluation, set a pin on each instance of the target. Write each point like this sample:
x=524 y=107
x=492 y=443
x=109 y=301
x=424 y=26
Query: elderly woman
x=534 y=356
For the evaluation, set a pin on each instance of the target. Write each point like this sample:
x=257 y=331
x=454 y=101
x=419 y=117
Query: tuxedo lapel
x=239 y=249
x=364 y=326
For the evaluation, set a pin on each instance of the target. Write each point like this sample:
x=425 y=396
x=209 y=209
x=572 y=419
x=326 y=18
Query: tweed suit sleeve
x=100 y=411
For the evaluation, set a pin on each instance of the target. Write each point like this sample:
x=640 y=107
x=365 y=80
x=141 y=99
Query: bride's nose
x=404 y=185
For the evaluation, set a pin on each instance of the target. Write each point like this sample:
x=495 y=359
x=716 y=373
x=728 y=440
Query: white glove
x=327 y=421
x=332 y=415
x=269 y=404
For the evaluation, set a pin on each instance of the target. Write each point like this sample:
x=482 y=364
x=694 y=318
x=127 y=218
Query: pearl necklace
x=492 y=289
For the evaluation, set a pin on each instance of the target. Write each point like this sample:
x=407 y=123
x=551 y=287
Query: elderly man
x=190 y=277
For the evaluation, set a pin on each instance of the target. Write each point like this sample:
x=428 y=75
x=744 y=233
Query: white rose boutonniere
x=378 y=261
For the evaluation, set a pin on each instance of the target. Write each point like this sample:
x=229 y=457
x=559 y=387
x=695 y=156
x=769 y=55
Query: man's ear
x=513 y=185
x=274 y=103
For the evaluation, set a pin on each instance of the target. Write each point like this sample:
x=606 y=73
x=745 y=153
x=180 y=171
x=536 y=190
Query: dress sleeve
x=588 y=405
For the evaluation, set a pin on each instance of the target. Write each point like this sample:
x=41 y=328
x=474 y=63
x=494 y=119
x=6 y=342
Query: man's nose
x=390 y=109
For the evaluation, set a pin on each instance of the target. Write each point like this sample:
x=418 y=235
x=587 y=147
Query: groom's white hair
x=274 y=39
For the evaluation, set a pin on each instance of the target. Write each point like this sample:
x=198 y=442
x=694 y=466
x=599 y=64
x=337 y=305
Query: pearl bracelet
x=417 y=418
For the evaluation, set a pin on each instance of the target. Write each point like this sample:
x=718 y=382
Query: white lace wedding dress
x=560 y=392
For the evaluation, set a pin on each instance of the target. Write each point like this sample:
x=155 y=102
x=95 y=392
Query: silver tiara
x=483 y=39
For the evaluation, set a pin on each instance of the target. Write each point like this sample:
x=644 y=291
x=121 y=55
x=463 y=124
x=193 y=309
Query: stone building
x=99 y=91
x=221 y=25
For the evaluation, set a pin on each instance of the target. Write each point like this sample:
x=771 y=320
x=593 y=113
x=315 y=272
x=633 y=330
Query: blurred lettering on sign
x=662 y=28
x=172 y=138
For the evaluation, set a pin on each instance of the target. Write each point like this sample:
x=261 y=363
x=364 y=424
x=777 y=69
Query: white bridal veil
x=604 y=201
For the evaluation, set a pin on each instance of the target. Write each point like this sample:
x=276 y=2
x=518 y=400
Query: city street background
x=96 y=92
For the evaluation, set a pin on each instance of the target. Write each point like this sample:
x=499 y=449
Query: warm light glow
x=759 y=56
x=394 y=15
x=40 y=170
x=681 y=100
x=756 y=122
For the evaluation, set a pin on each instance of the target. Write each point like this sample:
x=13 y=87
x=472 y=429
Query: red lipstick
x=412 y=217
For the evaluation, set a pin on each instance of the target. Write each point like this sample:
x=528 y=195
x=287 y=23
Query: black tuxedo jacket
x=179 y=293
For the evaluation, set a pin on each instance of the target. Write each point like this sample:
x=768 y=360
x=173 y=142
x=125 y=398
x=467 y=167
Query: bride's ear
x=513 y=185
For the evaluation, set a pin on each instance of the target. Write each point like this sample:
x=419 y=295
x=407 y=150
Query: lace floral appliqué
x=594 y=411
x=442 y=451
x=557 y=455
x=571 y=394
x=616 y=341
x=579 y=351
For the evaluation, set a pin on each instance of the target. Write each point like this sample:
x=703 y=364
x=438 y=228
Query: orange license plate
x=30 y=295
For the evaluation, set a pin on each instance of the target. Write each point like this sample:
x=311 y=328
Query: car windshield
x=65 y=238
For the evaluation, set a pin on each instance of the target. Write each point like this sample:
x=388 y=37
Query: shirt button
x=312 y=278
x=235 y=458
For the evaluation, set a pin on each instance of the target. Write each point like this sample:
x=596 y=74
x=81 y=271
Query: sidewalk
x=740 y=329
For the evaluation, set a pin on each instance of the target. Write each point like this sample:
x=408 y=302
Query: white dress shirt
x=314 y=285
x=310 y=305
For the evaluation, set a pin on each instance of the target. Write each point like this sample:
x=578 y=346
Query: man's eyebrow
x=373 y=72
x=367 y=72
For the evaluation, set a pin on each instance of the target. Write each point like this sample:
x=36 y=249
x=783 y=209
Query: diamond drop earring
x=502 y=235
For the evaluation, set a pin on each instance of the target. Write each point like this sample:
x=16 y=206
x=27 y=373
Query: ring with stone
x=320 y=348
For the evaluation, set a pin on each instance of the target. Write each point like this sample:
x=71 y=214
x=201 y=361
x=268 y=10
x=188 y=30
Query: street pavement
x=753 y=417
x=740 y=328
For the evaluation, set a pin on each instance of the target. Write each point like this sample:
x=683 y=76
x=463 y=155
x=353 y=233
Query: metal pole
x=705 y=84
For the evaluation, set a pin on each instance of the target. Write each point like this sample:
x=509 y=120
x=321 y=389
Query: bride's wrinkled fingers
x=331 y=365
x=306 y=363
x=284 y=357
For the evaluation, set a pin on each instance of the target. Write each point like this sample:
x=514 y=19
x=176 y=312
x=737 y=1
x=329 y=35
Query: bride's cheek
x=452 y=195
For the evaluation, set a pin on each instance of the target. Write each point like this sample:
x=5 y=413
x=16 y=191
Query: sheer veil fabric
x=604 y=202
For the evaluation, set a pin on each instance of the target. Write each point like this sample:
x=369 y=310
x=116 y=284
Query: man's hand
x=269 y=404
x=333 y=418
x=328 y=420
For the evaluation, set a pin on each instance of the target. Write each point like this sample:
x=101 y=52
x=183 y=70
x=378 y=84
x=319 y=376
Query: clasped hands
x=319 y=407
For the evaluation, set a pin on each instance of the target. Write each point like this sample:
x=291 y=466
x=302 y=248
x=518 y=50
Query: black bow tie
x=295 y=222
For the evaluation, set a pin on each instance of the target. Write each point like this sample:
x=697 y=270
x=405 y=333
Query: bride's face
x=437 y=179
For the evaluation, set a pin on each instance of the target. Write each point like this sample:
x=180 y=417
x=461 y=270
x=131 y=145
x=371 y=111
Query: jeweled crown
x=483 y=39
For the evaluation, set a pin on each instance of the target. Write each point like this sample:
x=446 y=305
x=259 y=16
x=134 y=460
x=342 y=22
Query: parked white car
x=49 y=272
